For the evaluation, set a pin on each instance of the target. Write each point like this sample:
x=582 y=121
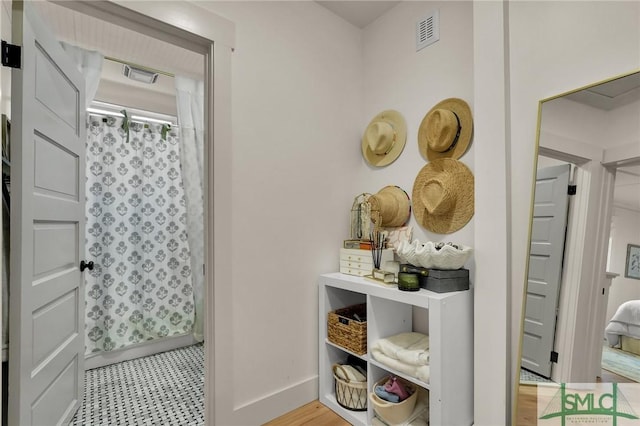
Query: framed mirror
x=585 y=213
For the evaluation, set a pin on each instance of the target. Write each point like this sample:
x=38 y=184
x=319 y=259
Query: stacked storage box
x=360 y=262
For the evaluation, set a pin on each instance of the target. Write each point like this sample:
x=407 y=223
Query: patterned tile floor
x=161 y=389
x=528 y=376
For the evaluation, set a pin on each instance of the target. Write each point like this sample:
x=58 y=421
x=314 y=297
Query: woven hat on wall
x=446 y=130
x=390 y=207
x=384 y=138
x=443 y=196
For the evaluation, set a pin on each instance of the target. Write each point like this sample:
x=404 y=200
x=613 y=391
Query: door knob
x=86 y=265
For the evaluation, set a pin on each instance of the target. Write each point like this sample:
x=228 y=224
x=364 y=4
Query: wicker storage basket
x=345 y=331
x=349 y=394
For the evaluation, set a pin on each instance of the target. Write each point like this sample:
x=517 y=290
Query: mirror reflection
x=578 y=283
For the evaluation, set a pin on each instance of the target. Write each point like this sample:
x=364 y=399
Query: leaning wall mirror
x=585 y=223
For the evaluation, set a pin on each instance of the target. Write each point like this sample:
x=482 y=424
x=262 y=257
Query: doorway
x=117 y=13
x=144 y=207
x=621 y=353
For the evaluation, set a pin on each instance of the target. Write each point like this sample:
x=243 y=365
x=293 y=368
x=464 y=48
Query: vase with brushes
x=377 y=240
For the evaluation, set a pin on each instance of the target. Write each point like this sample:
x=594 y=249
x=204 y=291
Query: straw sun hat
x=443 y=196
x=446 y=130
x=384 y=138
x=390 y=205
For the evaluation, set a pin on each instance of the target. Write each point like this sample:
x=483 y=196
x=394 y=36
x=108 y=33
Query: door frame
x=580 y=331
x=213 y=36
x=585 y=259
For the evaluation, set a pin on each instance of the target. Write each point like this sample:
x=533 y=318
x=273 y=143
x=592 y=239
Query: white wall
x=587 y=124
x=491 y=294
x=624 y=126
x=305 y=85
x=397 y=77
x=298 y=76
x=135 y=97
x=544 y=162
x=296 y=110
x=624 y=230
x=554 y=48
x=569 y=120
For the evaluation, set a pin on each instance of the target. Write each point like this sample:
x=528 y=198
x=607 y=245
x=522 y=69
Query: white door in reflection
x=545 y=267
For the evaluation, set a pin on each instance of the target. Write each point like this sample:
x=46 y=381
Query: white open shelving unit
x=389 y=312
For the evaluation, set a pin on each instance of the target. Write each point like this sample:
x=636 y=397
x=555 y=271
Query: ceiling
x=117 y=42
x=122 y=43
x=359 y=13
x=611 y=95
x=118 y=45
x=125 y=45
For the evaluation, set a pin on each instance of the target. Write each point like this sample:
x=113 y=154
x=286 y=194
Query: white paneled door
x=46 y=358
x=545 y=267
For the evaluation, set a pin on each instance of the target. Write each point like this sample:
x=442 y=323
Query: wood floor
x=316 y=414
x=311 y=414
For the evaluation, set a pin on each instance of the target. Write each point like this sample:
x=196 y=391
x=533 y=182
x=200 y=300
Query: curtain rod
x=100 y=107
x=123 y=62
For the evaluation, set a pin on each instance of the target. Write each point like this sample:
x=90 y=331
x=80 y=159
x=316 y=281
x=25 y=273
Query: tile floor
x=528 y=376
x=161 y=389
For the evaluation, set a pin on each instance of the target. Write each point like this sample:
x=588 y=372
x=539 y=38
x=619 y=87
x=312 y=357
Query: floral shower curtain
x=140 y=288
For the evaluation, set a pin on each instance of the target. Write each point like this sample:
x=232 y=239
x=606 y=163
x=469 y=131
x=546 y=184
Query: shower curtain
x=89 y=63
x=140 y=288
x=190 y=105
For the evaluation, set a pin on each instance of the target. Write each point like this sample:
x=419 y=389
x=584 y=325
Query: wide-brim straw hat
x=446 y=130
x=384 y=138
x=390 y=206
x=443 y=196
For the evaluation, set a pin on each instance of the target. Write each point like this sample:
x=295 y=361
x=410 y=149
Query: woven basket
x=345 y=331
x=398 y=412
x=349 y=394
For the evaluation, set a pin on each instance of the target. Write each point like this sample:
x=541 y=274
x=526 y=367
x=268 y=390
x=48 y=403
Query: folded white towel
x=410 y=348
x=421 y=372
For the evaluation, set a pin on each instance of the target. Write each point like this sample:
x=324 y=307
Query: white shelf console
x=389 y=312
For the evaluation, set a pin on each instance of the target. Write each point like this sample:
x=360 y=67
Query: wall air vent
x=139 y=74
x=428 y=30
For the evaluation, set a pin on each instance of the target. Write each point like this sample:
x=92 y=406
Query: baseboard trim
x=264 y=409
x=103 y=359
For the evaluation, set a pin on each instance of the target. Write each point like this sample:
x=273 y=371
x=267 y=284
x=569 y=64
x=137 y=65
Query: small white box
x=359 y=262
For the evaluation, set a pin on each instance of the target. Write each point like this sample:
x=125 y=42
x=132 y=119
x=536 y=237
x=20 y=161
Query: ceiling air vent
x=139 y=74
x=428 y=30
